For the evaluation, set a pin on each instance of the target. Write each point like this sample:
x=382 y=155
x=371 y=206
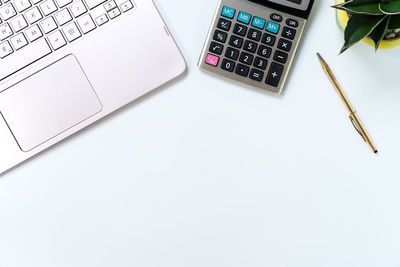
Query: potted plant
x=376 y=22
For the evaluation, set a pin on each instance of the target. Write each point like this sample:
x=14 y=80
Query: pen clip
x=357 y=127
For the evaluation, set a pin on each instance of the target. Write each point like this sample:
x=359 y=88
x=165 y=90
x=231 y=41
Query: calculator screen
x=297 y=4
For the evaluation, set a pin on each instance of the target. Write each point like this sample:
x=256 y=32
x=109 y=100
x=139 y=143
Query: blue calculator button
x=258 y=22
x=272 y=27
x=228 y=12
x=244 y=17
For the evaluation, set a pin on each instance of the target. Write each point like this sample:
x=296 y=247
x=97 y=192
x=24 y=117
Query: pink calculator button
x=212 y=60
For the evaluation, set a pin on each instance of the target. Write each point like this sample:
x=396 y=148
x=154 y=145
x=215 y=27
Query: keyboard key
x=228 y=65
x=63 y=3
x=5 y=49
x=280 y=57
x=216 y=48
x=274 y=75
x=94 y=3
x=71 y=32
x=63 y=17
x=48 y=7
x=86 y=23
x=250 y=46
x=18 y=41
x=100 y=20
x=220 y=36
x=114 y=13
x=22 y=5
x=18 y=23
x=264 y=51
x=125 y=6
x=224 y=24
x=258 y=23
x=288 y=33
x=292 y=23
x=110 y=6
x=268 y=39
x=244 y=17
x=78 y=9
x=33 y=33
x=24 y=58
x=48 y=25
x=212 y=60
x=7 y=11
x=246 y=58
x=285 y=45
x=236 y=42
x=242 y=70
x=240 y=29
x=260 y=63
x=254 y=35
x=56 y=40
x=5 y=31
x=276 y=17
x=228 y=12
x=33 y=15
x=273 y=27
x=232 y=53
x=256 y=75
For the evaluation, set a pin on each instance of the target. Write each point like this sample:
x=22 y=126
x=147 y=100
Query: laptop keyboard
x=33 y=29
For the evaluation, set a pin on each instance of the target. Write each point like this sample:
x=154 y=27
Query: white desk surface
x=206 y=172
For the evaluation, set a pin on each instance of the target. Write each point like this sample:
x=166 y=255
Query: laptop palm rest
x=48 y=103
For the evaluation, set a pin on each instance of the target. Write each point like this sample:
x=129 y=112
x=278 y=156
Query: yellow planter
x=343 y=18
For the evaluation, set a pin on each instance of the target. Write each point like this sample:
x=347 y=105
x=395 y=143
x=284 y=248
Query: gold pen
x=354 y=118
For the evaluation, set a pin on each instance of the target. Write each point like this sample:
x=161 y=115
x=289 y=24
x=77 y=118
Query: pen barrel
x=357 y=123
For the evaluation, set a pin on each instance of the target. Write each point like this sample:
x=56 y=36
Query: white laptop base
x=108 y=55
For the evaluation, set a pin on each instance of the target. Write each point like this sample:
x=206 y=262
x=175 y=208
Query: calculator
x=254 y=42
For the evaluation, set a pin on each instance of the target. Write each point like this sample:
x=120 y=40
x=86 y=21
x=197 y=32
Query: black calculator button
x=256 y=75
x=280 y=57
x=254 y=35
x=246 y=58
x=228 y=65
x=216 y=48
x=220 y=36
x=224 y=24
x=276 y=17
x=260 y=63
x=274 y=74
x=236 y=42
x=242 y=70
x=240 y=29
x=292 y=23
x=232 y=53
x=268 y=39
x=285 y=45
x=288 y=33
x=250 y=46
x=264 y=51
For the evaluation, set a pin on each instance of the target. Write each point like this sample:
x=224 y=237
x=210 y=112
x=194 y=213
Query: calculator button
x=246 y=58
x=220 y=36
x=260 y=63
x=292 y=23
x=288 y=33
x=224 y=24
x=228 y=65
x=268 y=39
x=276 y=17
x=274 y=74
x=258 y=23
x=216 y=48
x=250 y=46
x=256 y=75
x=285 y=45
x=232 y=53
x=280 y=57
x=264 y=51
x=244 y=17
x=228 y=12
x=242 y=70
x=240 y=30
x=273 y=27
x=212 y=60
x=254 y=35
x=236 y=42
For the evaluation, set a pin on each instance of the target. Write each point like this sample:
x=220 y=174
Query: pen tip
x=376 y=151
x=319 y=56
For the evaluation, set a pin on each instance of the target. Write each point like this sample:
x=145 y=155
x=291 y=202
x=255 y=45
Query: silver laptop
x=65 y=64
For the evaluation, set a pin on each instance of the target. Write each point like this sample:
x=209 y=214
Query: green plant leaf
x=394 y=22
x=391 y=7
x=370 y=7
x=379 y=32
x=359 y=27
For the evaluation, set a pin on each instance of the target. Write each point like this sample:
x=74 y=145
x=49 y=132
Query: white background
x=206 y=172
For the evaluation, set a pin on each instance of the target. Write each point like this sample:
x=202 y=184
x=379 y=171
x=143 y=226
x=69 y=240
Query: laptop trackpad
x=49 y=102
